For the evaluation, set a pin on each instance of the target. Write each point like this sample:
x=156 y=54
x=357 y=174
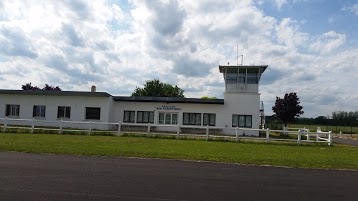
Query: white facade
x=240 y=106
x=78 y=104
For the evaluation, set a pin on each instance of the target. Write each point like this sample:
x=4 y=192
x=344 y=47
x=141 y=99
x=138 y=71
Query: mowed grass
x=291 y=155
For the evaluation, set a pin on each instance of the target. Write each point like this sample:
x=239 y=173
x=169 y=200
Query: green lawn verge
x=292 y=155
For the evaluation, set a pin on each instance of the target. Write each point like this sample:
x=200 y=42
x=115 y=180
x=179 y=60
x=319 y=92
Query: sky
x=310 y=46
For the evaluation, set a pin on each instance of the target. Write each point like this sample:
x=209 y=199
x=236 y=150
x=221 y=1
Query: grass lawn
x=292 y=155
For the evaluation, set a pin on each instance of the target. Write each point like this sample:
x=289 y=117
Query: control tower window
x=231 y=76
x=242 y=75
x=252 y=75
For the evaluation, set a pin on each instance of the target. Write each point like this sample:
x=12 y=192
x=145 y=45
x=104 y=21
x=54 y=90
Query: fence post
x=308 y=135
x=340 y=134
x=267 y=135
x=237 y=133
x=285 y=129
x=5 y=124
x=207 y=132
x=299 y=134
x=61 y=125
x=178 y=131
x=89 y=127
x=119 y=128
x=148 y=129
x=32 y=125
x=330 y=138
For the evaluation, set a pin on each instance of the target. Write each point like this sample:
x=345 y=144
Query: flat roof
x=167 y=99
x=115 y=98
x=262 y=67
x=55 y=93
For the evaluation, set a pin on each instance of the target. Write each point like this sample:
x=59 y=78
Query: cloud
x=271 y=75
x=74 y=72
x=167 y=17
x=184 y=65
x=352 y=9
x=76 y=44
x=71 y=35
x=288 y=33
x=328 y=42
x=280 y=3
x=3 y=59
x=14 y=42
x=79 y=8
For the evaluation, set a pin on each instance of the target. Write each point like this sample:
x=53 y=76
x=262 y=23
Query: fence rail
x=61 y=126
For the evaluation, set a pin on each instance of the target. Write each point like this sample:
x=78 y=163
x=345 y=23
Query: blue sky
x=311 y=46
x=318 y=16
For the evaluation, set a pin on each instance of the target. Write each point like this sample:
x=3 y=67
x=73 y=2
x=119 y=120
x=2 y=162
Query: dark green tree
x=28 y=86
x=155 y=88
x=287 y=108
x=321 y=120
x=208 y=98
x=344 y=118
x=53 y=88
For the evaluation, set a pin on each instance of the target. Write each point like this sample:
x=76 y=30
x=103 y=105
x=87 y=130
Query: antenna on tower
x=237 y=54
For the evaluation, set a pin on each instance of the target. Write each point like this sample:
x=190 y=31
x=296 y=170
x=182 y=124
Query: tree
x=155 y=88
x=287 y=108
x=321 y=120
x=343 y=118
x=28 y=86
x=208 y=98
x=50 y=87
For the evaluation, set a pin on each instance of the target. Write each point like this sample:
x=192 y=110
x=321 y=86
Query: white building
x=239 y=108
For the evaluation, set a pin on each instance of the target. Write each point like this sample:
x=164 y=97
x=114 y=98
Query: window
x=12 y=110
x=209 y=119
x=93 y=113
x=191 y=118
x=252 y=75
x=145 y=117
x=242 y=75
x=63 y=112
x=168 y=118
x=242 y=121
x=39 y=111
x=129 y=116
x=231 y=76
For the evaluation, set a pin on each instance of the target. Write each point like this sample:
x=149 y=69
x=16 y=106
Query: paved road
x=345 y=141
x=56 y=177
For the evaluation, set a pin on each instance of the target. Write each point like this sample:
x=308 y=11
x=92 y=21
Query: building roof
x=55 y=93
x=115 y=98
x=167 y=99
x=262 y=67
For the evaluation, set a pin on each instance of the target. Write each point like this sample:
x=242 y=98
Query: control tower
x=241 y=96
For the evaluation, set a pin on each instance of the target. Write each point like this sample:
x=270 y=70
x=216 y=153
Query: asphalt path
x=25 y=176
x=345 y=141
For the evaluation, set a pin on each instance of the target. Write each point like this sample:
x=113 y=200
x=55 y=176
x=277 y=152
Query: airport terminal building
x=239 y=108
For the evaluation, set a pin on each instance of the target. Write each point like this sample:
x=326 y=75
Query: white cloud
x=75 y=44
x=352 y=9
x=289 y=35
x=328 y=42
x=280 y=3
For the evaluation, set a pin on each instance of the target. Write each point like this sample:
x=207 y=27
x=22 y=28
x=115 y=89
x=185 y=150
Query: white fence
x=207 y=132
